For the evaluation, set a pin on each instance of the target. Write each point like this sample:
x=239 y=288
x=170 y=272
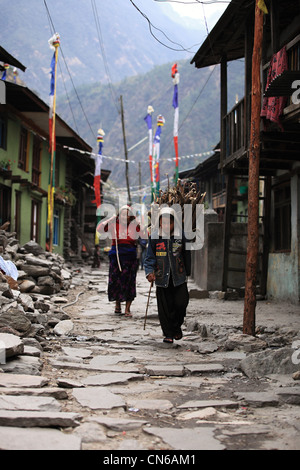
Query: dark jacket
x=166 y=256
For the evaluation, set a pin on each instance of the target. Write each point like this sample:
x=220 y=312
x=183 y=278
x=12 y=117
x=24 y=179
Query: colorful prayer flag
x=175 y=76
x=54 y=43
x=52 y=140
x=6 y=67
x=98 y=164
x=148 y=120
x=156 y=151
x=261 y=4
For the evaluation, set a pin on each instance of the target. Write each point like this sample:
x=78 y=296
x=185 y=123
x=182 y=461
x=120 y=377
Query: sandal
x=178 y=336
x=168 y=340
x=128 y=314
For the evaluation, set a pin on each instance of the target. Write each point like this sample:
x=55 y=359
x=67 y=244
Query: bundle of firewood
x=181 y=194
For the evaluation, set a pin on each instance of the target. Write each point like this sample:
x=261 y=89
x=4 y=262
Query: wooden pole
x=53 y=150
x=253 y=184
x=147 y=304
x=125 y=151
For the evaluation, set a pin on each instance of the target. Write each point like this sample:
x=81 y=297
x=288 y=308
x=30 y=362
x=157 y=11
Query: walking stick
x=148 y=304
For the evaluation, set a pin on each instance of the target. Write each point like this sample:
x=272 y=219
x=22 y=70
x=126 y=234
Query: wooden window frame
x=23 y=149
x=35 y=220
x=3 y=132
x=282 y=218
x=36 y=161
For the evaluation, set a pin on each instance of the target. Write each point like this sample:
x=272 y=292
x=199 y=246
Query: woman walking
x=123 y=262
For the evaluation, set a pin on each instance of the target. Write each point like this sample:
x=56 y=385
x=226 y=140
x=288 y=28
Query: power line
x=182 y=48
x=53 y=30
x=98 y=28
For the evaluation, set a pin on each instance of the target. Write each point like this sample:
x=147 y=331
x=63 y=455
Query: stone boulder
x=10 y=346
x=244 y=342
x=16 y=319
x=34 y=248
x=270 y=361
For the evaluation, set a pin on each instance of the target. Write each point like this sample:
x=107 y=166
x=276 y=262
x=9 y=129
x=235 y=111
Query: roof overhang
x=36 y=112
x=227 y=38
x=7 y=58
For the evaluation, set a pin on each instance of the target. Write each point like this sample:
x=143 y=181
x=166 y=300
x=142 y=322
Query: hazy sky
x=196 y=10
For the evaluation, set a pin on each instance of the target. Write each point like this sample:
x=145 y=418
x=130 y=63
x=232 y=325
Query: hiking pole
x=148 y=304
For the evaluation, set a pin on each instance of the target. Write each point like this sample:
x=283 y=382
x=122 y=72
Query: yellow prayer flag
x=261 y=4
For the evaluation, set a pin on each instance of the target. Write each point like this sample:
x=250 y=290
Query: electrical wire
x=151 y=26
x=207 y=2
x=65 y=62
x=100 y=38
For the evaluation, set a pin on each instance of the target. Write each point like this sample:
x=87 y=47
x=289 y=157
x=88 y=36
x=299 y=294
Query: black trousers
x=172 y=303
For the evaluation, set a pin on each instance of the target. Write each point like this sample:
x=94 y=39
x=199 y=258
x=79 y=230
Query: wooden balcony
x=219 y=199
x=234 y=142
x=279 y=149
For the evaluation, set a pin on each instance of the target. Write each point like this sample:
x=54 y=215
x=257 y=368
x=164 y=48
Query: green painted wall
x=27 y=194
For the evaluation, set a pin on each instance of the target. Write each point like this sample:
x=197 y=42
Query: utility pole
x=125 y=151
x=253 y=184
x=140 y=183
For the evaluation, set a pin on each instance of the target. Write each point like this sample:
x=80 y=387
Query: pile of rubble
x=32 y=282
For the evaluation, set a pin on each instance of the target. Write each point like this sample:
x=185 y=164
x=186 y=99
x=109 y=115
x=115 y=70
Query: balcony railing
x=219 y=199
x=234 y=129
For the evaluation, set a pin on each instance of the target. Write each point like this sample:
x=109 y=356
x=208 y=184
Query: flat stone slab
x=258 y=399
x=105 y=368
x=23 y=365
x=28 y=403
x=107 y=378
x=77 y=352
x=204 y=413
x=22 y=380
x=98 y=398
x=204 y=368
x=119 y=424
x=176 y=371
x=12 y=438
x=148 y=404
x=209 y=403
x=43 y=419
x=54 y=392
x=290 y=395
x=99 y=361
x=68 y=383
x=200 y=438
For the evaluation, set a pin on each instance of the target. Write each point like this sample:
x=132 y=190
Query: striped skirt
x=122 y=284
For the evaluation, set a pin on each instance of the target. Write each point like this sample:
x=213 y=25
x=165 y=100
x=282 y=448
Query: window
x=56 y=227
x=23 y=149
x=35 y=221
x=36 y=161
x=282 y=217
x=3 y=132
x=5 y=200
x=18 y=213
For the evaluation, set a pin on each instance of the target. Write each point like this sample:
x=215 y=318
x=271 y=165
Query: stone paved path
x=110 y=384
